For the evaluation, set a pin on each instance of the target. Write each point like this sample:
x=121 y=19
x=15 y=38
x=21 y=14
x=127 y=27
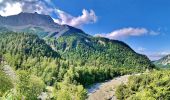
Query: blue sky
x=142 y=24
x=118 y=14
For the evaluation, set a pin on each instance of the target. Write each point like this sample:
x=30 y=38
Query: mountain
x=26 y=51
x=163 y=62
x=42 y=25
x=79 y=48
x=84 y=50
x=25 y=44
x=58 y=61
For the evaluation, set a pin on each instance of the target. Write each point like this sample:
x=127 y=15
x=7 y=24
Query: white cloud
x=154 y=33
x=141 y=49
x=86 y=18
x=126 y=32
x=1 y=1
x=48 y=1
x=37 y=6
x=11 y=9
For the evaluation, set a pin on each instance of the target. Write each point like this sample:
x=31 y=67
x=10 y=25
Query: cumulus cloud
x=126 y=32
x=13 y=7
x=86 y=18
x=1 y=1
x=37 y=6
x=141 y=49
x=154 y=32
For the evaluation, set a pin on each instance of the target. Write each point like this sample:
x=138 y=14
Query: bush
x=5 y=83
x=152 y=86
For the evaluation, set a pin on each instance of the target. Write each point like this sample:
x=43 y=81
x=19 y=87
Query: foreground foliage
x=5 y=83
x=151 y=86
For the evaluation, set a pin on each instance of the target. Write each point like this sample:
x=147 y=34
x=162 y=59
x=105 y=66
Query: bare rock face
x=42 y=25
x=26 y=19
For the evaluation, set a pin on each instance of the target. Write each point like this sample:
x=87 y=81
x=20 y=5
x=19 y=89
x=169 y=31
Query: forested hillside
x=81 y=49
x=74 y=45
x=35 y=65
x=25 y=44
x=45 y=60
x=39 y=69
x=28 y=52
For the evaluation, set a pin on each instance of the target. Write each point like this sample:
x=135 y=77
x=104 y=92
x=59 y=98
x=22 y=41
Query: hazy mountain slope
x=163 y=62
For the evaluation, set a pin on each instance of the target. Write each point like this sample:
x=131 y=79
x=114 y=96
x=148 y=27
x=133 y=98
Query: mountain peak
x=42 y=25
x=24 y=18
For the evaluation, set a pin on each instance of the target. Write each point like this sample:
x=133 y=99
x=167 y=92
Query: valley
x=43 y=59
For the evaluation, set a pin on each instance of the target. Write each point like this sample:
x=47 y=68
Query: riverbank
x=106 y=90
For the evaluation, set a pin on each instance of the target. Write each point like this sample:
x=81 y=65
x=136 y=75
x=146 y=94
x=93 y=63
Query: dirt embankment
x=106 y=90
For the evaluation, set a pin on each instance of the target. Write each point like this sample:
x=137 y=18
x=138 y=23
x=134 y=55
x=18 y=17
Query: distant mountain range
x=163 y=62
x=74 y=45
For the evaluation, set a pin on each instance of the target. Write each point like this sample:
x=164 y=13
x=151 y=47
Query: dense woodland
x=97 y=51
x=30 y=67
